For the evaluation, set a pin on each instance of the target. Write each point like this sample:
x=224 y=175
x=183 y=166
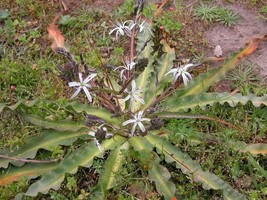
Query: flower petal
x=76 y=93
x=133 y=84
x=141 y=126
x=126 y=98
x=133 y=129
x=89 y=97
x=100 y=148
x=139 y=99
x=140 y=113
x=91 y=133
x=74 y=84
x=128 y=122
x=89 y=78
x=187 y=66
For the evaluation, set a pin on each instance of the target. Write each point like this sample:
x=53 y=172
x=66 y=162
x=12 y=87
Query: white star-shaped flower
x=122 y=28
x=181 y=71
x=136 y=121
x=133 y=94
x=128 y=66
x=82 y=85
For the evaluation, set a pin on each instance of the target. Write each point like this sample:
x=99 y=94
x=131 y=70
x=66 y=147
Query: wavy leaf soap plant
x=125 y=111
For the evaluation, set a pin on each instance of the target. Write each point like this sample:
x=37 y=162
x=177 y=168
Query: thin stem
x=126 y=84
x=104 y=90
x=28 y=160
x=163 y=95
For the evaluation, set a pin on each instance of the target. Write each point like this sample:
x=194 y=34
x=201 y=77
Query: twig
x=28 y=160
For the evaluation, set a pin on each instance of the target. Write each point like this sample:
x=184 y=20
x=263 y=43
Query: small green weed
x=206 y=13
x=169 y=23
x=226 y=17
x=246 y=79
x=211 y=14
x=263 y=10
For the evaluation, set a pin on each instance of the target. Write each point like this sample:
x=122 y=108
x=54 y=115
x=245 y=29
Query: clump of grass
x=226 y=17
x=206 y=13
x=246 y=79
x=211 y=14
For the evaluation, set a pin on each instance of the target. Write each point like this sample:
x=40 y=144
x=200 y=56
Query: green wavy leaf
x=165 y=62
x=145 y=79
x=56 y=125
x=99 y=112
x=29 y=171
x=192 y=168
x=158 y=78
x=202 y=100
x=77 y=107
x=19 y=103
x=161 y=176
x=113 y=165
x=81 y=157
x=140 y=143
x=47 y=140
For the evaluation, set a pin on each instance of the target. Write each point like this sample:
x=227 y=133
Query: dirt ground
x=250 y=25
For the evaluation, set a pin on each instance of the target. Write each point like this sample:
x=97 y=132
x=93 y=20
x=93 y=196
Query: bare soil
x=231 y=39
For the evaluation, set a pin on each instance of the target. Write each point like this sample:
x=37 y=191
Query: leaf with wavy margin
x=145 y=79
x=23 y=102
x=192 y=168
x=161 y=176
x=77 y=107
x=99 y=112
x=204 y=99
x=29 y=171
x=255 y=149
x=113 y=165
x=83 y=157
x=62 y=125
x=47 y=140
x=140 y=143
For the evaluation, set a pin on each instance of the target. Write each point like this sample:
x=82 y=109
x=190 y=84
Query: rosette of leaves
x=158 y=91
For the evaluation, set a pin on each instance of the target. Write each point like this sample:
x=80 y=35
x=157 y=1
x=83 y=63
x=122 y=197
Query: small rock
x=218 y=51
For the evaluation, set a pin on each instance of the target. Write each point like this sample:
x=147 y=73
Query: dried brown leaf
x=56 y=36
